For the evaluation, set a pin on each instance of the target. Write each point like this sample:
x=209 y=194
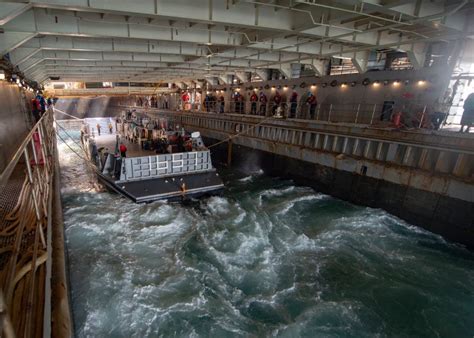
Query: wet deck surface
x=133 y=149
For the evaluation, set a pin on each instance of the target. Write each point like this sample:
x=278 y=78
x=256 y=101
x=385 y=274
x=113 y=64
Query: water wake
x=266 y=259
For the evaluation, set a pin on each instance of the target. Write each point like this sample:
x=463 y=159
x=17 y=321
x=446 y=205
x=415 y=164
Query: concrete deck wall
x=15 y=120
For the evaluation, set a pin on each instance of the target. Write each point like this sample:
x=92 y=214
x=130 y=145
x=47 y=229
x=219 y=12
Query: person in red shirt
x=35 y=110
x=185 y=97
x=312 y=102
x=123 y=150
x=276 y=102
x=253 y=104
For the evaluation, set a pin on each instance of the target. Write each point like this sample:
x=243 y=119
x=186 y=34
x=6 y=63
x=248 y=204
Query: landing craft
x=160 y=163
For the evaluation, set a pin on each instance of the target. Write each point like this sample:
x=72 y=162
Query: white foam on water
x=287 y=206
x=163 y=269
x=246 y=179
x=218 y=205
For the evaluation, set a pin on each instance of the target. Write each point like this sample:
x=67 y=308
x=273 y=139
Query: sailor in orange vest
x=98 y=129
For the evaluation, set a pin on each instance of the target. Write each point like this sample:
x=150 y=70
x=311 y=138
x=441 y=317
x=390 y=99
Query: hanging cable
x=62 y=112
x=240 y=133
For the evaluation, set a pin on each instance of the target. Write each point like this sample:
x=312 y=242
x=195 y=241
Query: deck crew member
x=98 y=129
x=253 y=104
x=42 y=103
x=123 y=149
x=110 y=128
x=293 y=104
x=468 y=114
x=312 y=103
x=276 y=102
x=35 y=109
x=221 y=104
x=263 y=104
x=179 y=143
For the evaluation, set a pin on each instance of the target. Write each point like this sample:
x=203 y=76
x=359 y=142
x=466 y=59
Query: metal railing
x=414 y=115
x=26 y=191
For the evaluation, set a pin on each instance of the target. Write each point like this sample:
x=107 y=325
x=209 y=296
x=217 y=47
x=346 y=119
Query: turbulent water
x=267 y=258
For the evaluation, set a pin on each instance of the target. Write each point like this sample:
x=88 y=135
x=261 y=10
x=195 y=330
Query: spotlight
x=376 y=83
x=353 y=84
x=273 y=88
x=313 y=86
x=396 y=83
x=285 y=88
x=343 y=85
x=421 y=82
x=385 y=82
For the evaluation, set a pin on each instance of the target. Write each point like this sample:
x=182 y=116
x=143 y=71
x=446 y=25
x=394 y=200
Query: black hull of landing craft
x=167 y=188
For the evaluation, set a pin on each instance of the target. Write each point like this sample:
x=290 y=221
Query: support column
x=211 y=80
x=416 y=53
x=242 y=76
x=263 y=73
x=360 y=60
x=224 y=78
x=319 y=66
x=11 y=40
x=285 y=69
